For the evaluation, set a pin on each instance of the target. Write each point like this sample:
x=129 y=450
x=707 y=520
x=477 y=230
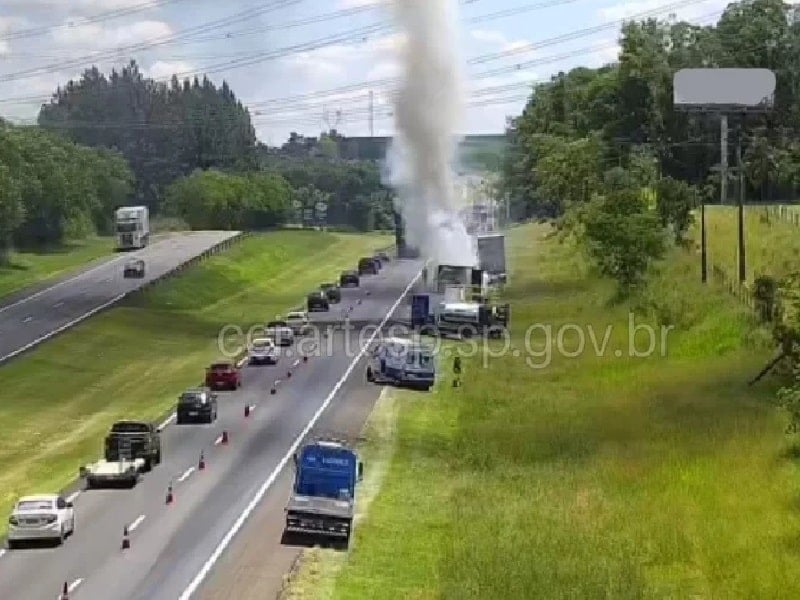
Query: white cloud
x=78 y=6
x=489 y=36
x=359 y=3
x=164 y=69
x=655 y=8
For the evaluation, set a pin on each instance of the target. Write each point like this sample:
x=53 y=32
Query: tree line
x=604 y=152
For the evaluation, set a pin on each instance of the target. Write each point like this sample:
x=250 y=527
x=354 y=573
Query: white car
x=41 y=517
x=262 y=350
x=298 y=322
x=280 y=332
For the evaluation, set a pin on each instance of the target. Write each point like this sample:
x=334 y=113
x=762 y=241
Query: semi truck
x=323 y=495
x=132 y=225
x=433 y=314
x=492 y=256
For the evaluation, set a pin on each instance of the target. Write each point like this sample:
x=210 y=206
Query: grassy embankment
x=31 y=267
x=57 y=402
x=598 y=476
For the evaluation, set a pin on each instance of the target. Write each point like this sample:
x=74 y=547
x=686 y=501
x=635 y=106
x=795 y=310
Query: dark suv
x=198 y=405
x=349 y=279
x=367 y=266
x=332 y=291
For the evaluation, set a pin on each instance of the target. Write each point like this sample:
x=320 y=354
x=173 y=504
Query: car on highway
x=332 y=291
x=318 y=301
x=196 y=405
x=298 y=321
x=223 y=374
x=367 y=266
x=134 y=440
x=40 y=517
x=383 y=256
x=403 y=362
x=134 y=269
x=262 y=351
x=349 y=279
x=280 y=332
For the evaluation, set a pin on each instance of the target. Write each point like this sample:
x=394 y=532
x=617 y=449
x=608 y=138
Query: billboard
x=724 y=89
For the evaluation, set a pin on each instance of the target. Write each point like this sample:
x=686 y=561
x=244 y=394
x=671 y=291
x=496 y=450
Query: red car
x=223 y=375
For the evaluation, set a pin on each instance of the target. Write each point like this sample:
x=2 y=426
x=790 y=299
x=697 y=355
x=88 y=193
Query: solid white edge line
x=136 y=522
x=237 y=525
x=27 y=319
x=73 y=496
x=167 y=421
x=63 y=327
x=186 y=474
x=71 y=587
x=2 y=552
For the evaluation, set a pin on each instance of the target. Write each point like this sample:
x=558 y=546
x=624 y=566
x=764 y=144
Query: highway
x=174 y=546
x=33 y=318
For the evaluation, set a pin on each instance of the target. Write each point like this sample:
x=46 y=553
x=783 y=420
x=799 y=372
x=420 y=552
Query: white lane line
x=186 y=474
x=2 y=552
x=241 y=362
x=65 y=326
x=167 y=421
x=277 y=383
x=296 y=362
x=27 y=319
x=71 y=587
x=218 y=441
x=194 y=584
x=136 y=522
x=57 y=304
x=73 y=496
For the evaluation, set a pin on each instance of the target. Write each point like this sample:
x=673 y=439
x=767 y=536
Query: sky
x=311 y=65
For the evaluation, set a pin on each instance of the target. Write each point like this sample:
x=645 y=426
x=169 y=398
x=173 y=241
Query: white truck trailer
x=132 y=226
x=492 y=256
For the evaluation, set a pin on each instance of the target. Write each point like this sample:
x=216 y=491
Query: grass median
x=57 y=402
x=26 y=268
x=560 y=473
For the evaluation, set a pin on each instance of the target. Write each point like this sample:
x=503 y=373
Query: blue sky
x=304 y=70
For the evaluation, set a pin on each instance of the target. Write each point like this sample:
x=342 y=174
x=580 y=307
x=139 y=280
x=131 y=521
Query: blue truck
x=323 y=496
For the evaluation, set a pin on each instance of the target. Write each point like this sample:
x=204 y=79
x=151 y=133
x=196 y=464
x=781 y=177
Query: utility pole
x=742 y=256
x=371 y=113
x=723 y=162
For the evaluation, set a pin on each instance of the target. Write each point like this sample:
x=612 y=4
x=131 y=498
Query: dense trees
x=164 y=131
x=52 y=189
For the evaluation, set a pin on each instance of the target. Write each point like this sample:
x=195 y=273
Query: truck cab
x=323 y=495
x=132 y=227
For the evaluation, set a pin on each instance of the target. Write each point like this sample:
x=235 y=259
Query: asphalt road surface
x=32 y=319
x=172 y=544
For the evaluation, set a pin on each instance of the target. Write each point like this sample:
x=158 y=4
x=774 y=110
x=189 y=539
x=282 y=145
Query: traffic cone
x=170 y=495
x=126 y=542
x=64 y=592
x=224 y=437
x=273 y=390
x=288 y=374
x=201 y=464
x=246 y=410
x=305 y=358
x=358 y=301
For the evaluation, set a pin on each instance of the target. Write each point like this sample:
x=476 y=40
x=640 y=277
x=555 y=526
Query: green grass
x=30 y=267
x=131 y=362
x=597 y=476
x=772 y=244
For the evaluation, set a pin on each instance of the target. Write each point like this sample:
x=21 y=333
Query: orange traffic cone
x=273 y=390
x=305 y=358
x=170 y=495
x=246 y=410
x=126 y=542
x=201 y=464
x=65 y=592
x=224 y=437
x=288 y=374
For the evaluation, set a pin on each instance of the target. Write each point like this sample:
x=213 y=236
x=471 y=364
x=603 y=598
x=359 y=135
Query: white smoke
x=428 y=110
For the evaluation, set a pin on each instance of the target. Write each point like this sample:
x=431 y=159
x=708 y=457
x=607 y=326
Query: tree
x=675 y=201
x=12 y=211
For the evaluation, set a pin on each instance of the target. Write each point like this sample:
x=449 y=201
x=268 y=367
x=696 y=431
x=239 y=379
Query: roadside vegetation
x=131 y=362
x=28 y=267
x=597 y=476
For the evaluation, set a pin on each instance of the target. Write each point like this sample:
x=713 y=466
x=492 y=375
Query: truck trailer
x=323 y=495
x=492 y=256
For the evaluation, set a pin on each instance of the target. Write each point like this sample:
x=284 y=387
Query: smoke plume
x=428 y=111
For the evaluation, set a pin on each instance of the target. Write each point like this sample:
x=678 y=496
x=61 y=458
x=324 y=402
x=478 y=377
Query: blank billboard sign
x=722 y=89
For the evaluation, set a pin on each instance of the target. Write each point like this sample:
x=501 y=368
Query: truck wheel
x=370 y=375
x=148 y=464
x=158 y=457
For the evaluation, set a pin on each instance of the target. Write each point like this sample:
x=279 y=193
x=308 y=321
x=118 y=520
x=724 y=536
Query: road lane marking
x=198 y=579
x=64 y=327
x=136 y=522
x=218 y=441
x=58 y=304
x=296 y=362
x=2 y=552
x=27 y=319
x=167 y=421
x=186 y=474
x=277 y=383
x=73 y=496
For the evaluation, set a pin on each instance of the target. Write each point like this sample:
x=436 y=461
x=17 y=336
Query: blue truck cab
x=402 y=361
x=323 y=495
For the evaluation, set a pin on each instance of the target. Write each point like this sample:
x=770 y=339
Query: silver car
x=41 y=517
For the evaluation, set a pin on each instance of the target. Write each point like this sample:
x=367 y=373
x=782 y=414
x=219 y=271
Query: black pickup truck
x=332 y=291
x=367 y=266
x=349 y=279
x=132 y=440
